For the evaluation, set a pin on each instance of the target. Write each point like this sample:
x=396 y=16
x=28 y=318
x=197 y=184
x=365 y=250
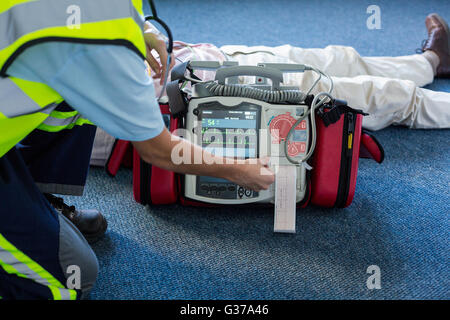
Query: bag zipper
x=346 y=160
x=145 y=177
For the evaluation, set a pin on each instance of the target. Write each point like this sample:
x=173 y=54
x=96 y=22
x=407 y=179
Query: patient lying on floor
x=388 y=88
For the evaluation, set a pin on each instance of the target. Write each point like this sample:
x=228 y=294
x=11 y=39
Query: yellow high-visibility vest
x=27 y=105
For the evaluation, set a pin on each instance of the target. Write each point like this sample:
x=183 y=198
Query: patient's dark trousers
x=42 y=254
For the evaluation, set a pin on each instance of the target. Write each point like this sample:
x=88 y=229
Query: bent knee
x=77 y=259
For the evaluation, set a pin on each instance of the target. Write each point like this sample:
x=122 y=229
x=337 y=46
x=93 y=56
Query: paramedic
x=54 y=77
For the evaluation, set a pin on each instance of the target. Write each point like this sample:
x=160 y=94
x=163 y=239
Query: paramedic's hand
x=252 y=173
x=155 y=42
x=255 y=176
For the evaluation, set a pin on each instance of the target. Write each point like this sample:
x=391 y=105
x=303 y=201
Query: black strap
x=179 y=71
x=331 y=113
x=177 y=99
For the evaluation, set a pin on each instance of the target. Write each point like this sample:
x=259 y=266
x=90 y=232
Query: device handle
x=211 y=65
x=285 y=67
x=266 y=72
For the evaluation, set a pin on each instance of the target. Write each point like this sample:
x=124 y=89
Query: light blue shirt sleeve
x=146 y=8
x=107 y=84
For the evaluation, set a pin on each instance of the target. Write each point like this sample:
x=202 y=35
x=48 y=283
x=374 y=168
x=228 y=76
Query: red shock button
x=279 y=128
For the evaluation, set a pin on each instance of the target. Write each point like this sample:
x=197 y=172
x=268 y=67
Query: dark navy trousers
x=59 y=161
x=39 y=246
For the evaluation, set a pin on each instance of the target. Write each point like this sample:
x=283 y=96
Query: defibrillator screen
x=231 y=133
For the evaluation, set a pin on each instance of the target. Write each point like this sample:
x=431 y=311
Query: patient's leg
x=393 y=102
x=339 y=61
x=389 y=100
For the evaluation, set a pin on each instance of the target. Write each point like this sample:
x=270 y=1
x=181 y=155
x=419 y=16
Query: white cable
x=312 y=111
x=315 y=104
x=280 y=96
x=166 y=76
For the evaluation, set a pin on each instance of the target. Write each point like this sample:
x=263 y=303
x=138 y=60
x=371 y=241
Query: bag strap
x=370 y=147
x=177 y=98
x=331 y=113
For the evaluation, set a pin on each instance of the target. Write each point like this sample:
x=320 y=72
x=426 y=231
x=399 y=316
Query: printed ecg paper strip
x=285 y=199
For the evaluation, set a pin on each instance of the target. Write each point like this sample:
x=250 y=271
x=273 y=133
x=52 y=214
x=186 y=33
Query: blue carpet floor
x=399 y=219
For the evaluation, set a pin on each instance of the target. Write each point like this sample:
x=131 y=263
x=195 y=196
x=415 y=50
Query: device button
x=222 y=188
x=231 y=188
x=241 y=192
x=248 y=193
x=204 y=187
x=213 y=188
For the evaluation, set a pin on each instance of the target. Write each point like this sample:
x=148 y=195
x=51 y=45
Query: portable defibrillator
x=314 y=142
x=260 y=119
x=243 y=128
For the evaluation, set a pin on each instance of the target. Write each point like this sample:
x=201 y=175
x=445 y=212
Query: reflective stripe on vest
x=15 y=262
x=37 y=15
x=58 y=121
x=14 y=102
x=84 y=21
x=24 y=23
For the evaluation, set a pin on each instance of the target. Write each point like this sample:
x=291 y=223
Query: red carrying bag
x=341 y=141
x=151 y=184
x=121 y=155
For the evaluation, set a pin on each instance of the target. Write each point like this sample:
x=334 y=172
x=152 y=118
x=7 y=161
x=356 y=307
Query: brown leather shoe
x=439 y=42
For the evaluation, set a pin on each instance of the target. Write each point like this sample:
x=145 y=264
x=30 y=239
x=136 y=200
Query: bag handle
x=370 y=147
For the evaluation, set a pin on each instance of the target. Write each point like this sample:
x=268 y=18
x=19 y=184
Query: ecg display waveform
x=231 y=134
